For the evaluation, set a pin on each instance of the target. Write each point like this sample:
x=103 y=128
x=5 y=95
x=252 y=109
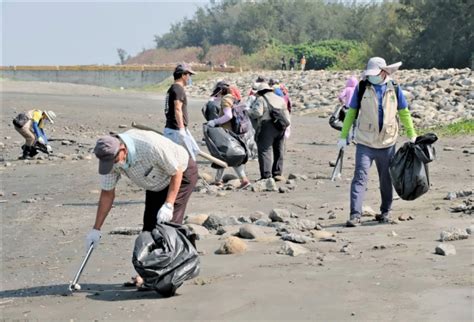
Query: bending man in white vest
x=376 y=102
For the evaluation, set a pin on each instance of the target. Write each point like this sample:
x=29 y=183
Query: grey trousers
x=364 y=158
x=271 y=148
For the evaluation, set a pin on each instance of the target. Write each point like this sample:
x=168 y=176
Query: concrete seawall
x=106 y=76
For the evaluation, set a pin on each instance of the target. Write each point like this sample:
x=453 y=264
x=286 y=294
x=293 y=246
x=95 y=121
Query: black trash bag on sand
x=225 y=145
x=166 y=257
x=409 y=167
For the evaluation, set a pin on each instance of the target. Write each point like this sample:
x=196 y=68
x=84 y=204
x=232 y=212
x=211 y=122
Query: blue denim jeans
x=364 y=158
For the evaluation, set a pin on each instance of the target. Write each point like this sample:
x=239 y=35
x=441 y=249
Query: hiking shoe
x=384 y=218
x=244 y=185
x=354 y=222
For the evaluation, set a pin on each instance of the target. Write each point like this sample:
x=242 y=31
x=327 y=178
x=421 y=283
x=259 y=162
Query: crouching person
x=31 y=125
x=153 y=162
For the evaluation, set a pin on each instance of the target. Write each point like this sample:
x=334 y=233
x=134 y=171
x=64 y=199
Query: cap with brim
x=376 y=64
x=219 y=86
x=184 y=68
x=105 y=150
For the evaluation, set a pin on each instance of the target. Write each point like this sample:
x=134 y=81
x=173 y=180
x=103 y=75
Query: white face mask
x=376 y=80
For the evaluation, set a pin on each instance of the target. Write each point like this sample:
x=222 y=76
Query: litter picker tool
x=74 y=285
x=336 y=173
x=205 y=155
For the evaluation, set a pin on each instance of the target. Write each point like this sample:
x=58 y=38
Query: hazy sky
x=84 y=32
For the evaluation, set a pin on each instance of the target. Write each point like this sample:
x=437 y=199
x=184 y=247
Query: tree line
x=421 y=33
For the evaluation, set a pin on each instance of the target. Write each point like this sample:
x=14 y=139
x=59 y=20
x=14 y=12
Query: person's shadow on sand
x=98 y=292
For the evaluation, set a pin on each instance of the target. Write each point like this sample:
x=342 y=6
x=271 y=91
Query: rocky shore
x=435 y=96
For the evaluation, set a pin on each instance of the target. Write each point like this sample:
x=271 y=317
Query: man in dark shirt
x=176 y=111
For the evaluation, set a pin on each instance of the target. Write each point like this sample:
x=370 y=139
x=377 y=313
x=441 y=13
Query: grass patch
x=463 y=127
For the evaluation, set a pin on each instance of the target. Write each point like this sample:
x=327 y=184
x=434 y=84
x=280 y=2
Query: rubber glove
x=341 y=143
x=413 y=139
x=93 y=237
x=182 y=132
x=211 y=123
x=165 y=213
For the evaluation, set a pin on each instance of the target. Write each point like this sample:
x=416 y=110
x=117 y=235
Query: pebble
x=250 y=232
x=322 y=235
x=292 y=249
x=445 y=249
x=448 y=148
x=346 y=248
x=212 y=222
x=470 y=229
x=66 y=142
x=122 y=126
x=232 y=245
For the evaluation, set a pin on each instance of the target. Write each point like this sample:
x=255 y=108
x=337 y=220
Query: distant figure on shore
x=283 y=63
x=303 y=63
x=292 y=63
x=30 y=125
x=176 y=111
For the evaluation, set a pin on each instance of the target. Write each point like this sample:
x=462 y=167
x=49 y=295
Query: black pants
x=271 y=148
x=155 y=199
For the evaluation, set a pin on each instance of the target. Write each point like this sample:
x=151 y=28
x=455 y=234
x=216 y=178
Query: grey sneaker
x=354 y=222
x=384 y=218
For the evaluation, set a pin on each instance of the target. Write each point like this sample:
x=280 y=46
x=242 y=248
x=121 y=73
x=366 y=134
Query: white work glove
x=41 y=140
x=49 y=148
x=211 y=123
x=413 y=139
x=341 y=143
x=165 y=213
x=182 y=132
x=93 y=237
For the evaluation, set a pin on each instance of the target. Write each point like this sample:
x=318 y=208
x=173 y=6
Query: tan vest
x=367 y=129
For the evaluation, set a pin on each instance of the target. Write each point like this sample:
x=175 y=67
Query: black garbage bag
x=210 y=111
x=225 y=145
x=409 y=167
x=249 y=139
x=166 y=257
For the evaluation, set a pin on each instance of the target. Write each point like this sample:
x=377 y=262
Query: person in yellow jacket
x=31 y=125
x=376 y=132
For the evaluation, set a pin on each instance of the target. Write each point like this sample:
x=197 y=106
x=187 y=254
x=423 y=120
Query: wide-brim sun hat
x=376 y=64
x=264 y=87
x=50 y=115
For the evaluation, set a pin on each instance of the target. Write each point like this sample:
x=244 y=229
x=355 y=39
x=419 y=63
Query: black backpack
x=278 y=116
x=336 y=120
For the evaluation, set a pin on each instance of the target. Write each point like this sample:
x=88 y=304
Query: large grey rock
x=231 y=230
x=279 y=214
x=445 y=249
x=292 y=249
x=198 y=229
x=199 y=219
x=300 y=224
x=470 y=230
x=265 y=185
x=300 y=239
x=232 y=245
x=250 y=232
x=453 y=234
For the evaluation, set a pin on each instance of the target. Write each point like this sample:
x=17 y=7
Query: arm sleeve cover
x=405 y=118
x=348 y=120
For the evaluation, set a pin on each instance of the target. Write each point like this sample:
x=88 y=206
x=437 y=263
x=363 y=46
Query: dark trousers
x=364 y=158
x=155 y=199
x=271 y=148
